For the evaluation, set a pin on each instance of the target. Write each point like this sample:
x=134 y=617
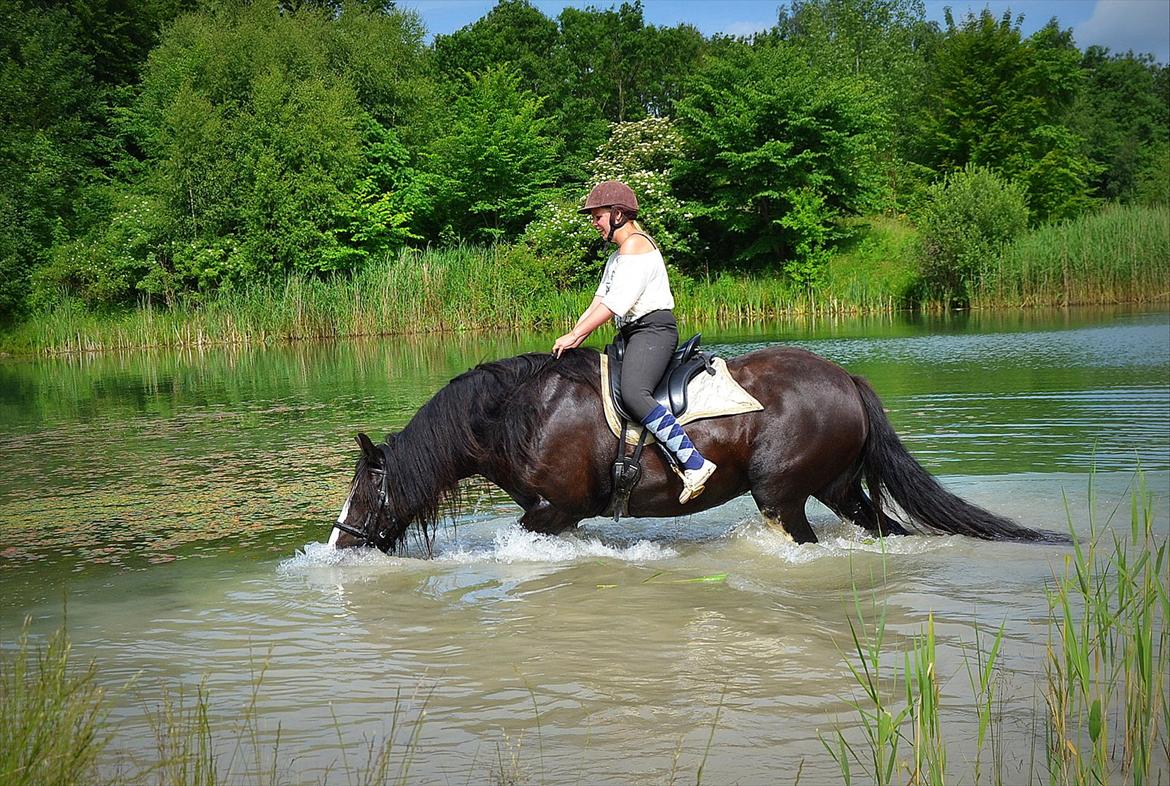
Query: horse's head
x=368 y=519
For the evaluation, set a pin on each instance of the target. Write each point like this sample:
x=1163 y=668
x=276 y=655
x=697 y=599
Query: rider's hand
x=567 y=341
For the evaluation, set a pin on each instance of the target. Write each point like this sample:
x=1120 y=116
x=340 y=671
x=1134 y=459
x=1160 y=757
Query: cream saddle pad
x=708 y=396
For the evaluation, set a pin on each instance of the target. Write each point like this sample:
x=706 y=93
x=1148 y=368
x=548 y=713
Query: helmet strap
x=615 y=225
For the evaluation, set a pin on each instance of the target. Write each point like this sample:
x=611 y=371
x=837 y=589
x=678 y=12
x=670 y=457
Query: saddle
x=671 y=392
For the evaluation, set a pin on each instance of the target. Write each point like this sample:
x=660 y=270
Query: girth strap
x=627 y=471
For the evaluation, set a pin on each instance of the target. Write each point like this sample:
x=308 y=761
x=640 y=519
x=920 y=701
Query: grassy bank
x=1103 y=709
x=1119 y=255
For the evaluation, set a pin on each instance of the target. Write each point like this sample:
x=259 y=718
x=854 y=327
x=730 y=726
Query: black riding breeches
x=649 y=344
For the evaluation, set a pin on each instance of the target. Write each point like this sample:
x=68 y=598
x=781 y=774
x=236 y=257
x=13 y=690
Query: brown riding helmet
x=612 y=193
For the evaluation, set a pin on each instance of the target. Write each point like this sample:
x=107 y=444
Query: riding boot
x=696 y=469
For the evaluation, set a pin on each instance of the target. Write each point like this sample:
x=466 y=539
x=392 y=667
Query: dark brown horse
x=533 y=425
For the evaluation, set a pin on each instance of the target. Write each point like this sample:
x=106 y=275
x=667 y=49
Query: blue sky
x=1140 y=25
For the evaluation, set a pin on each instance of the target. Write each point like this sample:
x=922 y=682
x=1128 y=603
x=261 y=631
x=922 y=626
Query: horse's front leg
x=542 y=517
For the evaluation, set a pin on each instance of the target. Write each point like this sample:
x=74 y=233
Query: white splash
x=508 y=544
x=835 y=540
x=515 y=544
x=325 y=555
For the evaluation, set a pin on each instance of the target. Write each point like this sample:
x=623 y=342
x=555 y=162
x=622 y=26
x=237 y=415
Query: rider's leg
x=648 y=351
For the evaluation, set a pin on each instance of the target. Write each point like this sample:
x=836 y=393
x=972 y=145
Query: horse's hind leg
x=846 y=498
x=787 y=517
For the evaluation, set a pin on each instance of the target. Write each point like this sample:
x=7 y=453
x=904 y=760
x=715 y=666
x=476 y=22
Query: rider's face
x=601 y=220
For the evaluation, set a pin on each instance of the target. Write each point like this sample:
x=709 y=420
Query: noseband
x=367 y=532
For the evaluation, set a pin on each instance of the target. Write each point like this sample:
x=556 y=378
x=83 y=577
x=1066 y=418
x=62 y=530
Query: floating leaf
x=714 y=577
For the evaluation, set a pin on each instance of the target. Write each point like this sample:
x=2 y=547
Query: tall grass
x=456 y=289
x=52 y=717
x=1120 y=255
x=1108 y=657
x=1106 y=694
x=883 y=719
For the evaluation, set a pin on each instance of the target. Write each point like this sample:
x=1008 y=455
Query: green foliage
x=488 y=173
x=640 y=153
x=260 y=159
x=967 y=219
x=512 y=34
x=881 y=43
x=591 y=66
x=764 y=138
x=806 y=223
x=50 y=138
x=876 y=264
x=1123 y=120
x=106 y=265
x=999 y=101
x=1153 y=177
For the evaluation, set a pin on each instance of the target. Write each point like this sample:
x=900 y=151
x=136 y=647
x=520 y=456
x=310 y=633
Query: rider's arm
x=585 y=314
x=594 y=317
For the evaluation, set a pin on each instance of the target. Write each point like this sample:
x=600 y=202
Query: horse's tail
x=928 y=506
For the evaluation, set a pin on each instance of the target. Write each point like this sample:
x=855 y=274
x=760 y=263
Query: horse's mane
x=487 y=414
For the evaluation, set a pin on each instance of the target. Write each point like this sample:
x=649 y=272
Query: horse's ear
x=371 y=452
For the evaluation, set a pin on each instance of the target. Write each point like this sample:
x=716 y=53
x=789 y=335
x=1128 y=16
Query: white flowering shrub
x=640 y=153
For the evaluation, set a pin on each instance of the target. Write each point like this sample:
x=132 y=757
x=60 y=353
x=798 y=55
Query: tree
x=49 y=113
x=997 y=100
x=613 y=68
x=253 y=154
x=641 y=153
x=774 y=155
x=489 y=173
x=512 y=34
x=1123 y=119
x=881 y=42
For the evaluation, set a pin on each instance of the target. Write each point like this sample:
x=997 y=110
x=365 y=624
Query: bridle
x=367 y=531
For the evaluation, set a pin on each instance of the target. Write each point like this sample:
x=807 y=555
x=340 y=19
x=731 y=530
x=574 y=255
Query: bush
x=966 y=220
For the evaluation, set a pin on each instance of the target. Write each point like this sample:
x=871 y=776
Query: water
x=173 y=508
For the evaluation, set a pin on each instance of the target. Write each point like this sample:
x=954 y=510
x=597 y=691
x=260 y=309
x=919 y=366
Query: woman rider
x=635 y=294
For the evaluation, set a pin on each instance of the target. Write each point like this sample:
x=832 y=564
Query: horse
x=534 y=426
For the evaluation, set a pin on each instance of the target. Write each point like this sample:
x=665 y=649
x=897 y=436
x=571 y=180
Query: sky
x=1121 y=25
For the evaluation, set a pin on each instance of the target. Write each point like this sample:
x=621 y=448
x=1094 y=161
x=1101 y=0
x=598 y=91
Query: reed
x=1106 y=694
x=1108 y=656
x=1120 y=255
x=880 y=725
x=54 y=724
x=458 y=289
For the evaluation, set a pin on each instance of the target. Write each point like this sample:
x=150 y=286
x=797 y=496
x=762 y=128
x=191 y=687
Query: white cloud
x=1122 y=25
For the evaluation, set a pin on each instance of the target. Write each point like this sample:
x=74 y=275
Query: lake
x=171 y=509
